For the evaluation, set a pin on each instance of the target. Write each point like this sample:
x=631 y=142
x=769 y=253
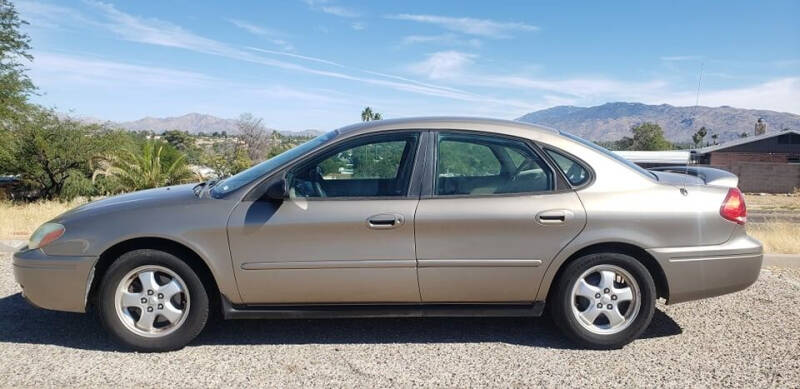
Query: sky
x=314 y=64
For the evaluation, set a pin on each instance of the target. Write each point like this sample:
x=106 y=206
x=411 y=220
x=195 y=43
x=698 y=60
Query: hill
x=612 y=121
x=195 y=123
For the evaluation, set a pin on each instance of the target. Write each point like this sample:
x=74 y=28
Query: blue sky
x=316 y=63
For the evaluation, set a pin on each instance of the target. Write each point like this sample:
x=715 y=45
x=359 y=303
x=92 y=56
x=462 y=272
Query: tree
x=254 y=136
x=368 y=115
x=47 y=151
x=152 y=165
x=714 y=138
x=15 y=86
x=743 y=135
x=649 y=136
x=227 y=159
x=698 y=136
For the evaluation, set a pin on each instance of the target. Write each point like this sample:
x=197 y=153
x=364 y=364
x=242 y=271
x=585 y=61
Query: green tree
x=15 y=86
x=227 y=159
x=743 y=135
x=368 y=115
x=48 y=151
x=698 y=136
x=714 y=138
x=153 y=165
x=649 y=136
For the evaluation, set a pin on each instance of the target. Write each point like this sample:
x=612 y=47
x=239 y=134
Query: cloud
x=157 y=32
x=678 y=58
x=327 y=7
x=443 y=64
x=782 y=94
x=304 y=57
x=56 y=68
x=444 y=39
x=53 y=67
x=470 y=26
x=358 y=26
x=263 y=32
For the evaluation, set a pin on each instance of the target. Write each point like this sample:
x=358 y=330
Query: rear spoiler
x=709 y=175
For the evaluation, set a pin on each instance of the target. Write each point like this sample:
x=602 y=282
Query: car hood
x=144 y=198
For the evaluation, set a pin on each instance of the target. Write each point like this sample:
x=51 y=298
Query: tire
x=166 y=319
x=573 y=315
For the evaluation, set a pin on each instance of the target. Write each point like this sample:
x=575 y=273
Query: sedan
x=397 y=218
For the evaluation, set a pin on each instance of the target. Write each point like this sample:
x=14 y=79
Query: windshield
x=605 y=151
x=245 y=177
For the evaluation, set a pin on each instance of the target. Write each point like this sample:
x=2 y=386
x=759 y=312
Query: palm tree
x=367 y=115
x=146 y=169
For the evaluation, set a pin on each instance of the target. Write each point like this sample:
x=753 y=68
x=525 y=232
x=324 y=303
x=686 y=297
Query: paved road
x=749 y=339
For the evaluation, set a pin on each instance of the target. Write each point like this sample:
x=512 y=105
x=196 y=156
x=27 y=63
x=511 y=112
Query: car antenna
x=692 y=152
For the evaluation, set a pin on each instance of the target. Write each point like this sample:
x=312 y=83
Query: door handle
x=384 y=221
x=553 y=217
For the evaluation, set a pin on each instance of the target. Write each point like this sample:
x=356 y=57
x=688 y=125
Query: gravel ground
x=748 y=339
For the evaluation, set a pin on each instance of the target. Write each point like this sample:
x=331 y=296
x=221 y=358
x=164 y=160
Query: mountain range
x=195 y=123
x=613 y=121
x=605 y=122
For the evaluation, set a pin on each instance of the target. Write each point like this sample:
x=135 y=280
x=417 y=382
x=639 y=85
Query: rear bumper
x=54 y=282
x=706 y=271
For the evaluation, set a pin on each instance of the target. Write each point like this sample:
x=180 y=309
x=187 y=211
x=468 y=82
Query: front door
x=344 y=235
x=497 y=214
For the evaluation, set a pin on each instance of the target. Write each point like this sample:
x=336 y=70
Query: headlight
x=46 y=234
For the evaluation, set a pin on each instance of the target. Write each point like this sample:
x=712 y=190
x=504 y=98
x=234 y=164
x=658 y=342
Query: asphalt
x=746 y=339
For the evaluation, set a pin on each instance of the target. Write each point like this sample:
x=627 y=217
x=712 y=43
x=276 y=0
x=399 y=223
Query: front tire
x=152 y=301
x=604 y=300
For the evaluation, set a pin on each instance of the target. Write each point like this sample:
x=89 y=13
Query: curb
x=782 y=260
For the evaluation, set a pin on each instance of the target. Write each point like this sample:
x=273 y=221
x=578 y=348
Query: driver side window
x=372 y=166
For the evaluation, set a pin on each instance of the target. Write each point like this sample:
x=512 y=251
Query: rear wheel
x=150 y=300
x=604 y=300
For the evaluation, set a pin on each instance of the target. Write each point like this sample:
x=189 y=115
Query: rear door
x=495 y=215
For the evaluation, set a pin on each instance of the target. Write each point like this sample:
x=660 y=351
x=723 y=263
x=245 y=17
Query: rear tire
x=151 y=301
x=603 y=300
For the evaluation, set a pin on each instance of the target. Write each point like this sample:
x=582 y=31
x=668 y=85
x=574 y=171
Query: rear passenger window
x=484 y=165
x=575 y=173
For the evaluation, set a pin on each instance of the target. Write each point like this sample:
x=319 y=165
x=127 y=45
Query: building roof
x=742 y=141
x=665 y=157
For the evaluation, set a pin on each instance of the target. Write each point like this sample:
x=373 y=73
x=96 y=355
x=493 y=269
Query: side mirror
x=277 y=191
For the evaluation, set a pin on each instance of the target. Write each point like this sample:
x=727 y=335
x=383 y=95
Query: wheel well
x=182 y=252
x=662 y=287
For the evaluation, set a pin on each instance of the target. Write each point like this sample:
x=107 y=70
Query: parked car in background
x=409 y=217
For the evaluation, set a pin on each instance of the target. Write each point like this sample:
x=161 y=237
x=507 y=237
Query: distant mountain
x=195 y=123
x=612 y=121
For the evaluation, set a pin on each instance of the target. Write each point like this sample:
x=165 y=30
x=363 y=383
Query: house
x=764 y=163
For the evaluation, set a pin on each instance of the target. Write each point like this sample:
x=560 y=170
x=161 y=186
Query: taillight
x=733 y=208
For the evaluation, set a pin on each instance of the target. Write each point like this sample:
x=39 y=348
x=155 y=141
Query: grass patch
x=777 y=237
x=18 y=220
x=773 y=202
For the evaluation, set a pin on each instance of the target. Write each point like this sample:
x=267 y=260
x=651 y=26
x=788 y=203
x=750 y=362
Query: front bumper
x=59 y=283
x=699 y=272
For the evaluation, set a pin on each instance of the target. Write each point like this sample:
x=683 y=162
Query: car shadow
x=23 y=323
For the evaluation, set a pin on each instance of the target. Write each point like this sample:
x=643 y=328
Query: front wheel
x=604 y=300
x=150 y=300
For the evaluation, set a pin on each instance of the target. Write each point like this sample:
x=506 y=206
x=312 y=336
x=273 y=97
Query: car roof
x=442 y=122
